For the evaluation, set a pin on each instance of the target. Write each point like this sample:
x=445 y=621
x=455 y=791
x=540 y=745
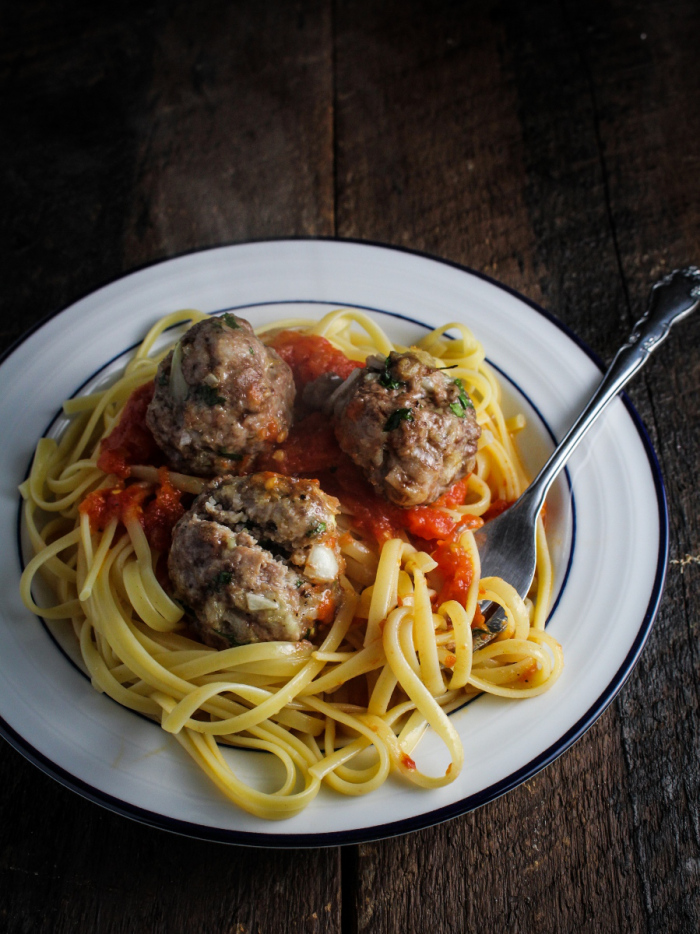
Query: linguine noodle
x=346 y=710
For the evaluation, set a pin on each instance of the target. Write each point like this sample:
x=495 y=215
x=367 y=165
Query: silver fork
x=507 y=544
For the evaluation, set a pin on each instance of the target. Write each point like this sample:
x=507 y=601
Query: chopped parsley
x=208 y=395
x=459 y=408
x=387 y=380
x=232 y=455
x=395 y=419
x=230 y=321
x=317 y=529
x=221 y=580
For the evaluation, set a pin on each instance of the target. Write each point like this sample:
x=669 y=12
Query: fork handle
x=672 y=298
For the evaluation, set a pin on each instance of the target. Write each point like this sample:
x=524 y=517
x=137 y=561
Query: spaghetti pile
x=347 y=708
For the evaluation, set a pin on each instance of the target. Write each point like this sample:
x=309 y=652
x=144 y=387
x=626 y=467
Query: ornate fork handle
x=672 y=298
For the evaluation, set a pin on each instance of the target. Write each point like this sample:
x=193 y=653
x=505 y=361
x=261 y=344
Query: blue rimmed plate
x=607 y=521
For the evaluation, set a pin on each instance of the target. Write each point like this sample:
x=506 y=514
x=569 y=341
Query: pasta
x=346 y=710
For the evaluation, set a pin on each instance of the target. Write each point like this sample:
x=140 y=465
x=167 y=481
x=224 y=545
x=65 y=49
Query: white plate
x=610 y=538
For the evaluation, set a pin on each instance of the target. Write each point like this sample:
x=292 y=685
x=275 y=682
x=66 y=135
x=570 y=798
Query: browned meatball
x=221 y=396
x=257 y=559
x=410 y=427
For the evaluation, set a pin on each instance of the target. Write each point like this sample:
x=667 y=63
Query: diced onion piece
x=256 y=602
x=178 y=384
x=322 y=564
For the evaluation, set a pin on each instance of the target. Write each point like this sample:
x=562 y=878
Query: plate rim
x=424 y=818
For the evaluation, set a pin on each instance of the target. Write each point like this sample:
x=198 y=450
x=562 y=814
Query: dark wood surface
x=552 y=145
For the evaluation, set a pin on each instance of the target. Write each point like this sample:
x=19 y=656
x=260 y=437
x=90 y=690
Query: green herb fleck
x=251 y=351
x=395 y=419
x=208 y=395
x=387 y=380
x=221 y=580
x=463 y=403
x=230 y=321
x=163 y=378
x=232 y=455
x=317 y=529
x=463 y=397
x=299 y=583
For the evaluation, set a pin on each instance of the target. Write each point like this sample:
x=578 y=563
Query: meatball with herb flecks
x=221 y=397
x=257 y=559
x=408 y=425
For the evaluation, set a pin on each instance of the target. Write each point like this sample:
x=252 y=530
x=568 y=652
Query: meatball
x=221 y=396
x=409 y=426
x=257 y=559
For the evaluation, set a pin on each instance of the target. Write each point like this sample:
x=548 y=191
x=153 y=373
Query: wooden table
x=554 y=146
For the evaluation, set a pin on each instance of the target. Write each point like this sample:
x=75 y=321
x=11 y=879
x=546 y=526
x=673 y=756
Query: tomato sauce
x=456 y=569
x=162 y=512
x=310 y=356
x=157 y=510
x=131 y=441
x=310 y=449
x=119 y=502
x=371 y=513
x=407 y=762
x=326 y=608
x=497 y=507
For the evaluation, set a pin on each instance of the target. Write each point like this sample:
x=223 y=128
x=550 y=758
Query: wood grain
x=139 y=137
x=553 y=145
x=609 y=849
x=238 y=144
x=653 y=188
x=75 y=80
x=428 y=137
x=68 y=865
